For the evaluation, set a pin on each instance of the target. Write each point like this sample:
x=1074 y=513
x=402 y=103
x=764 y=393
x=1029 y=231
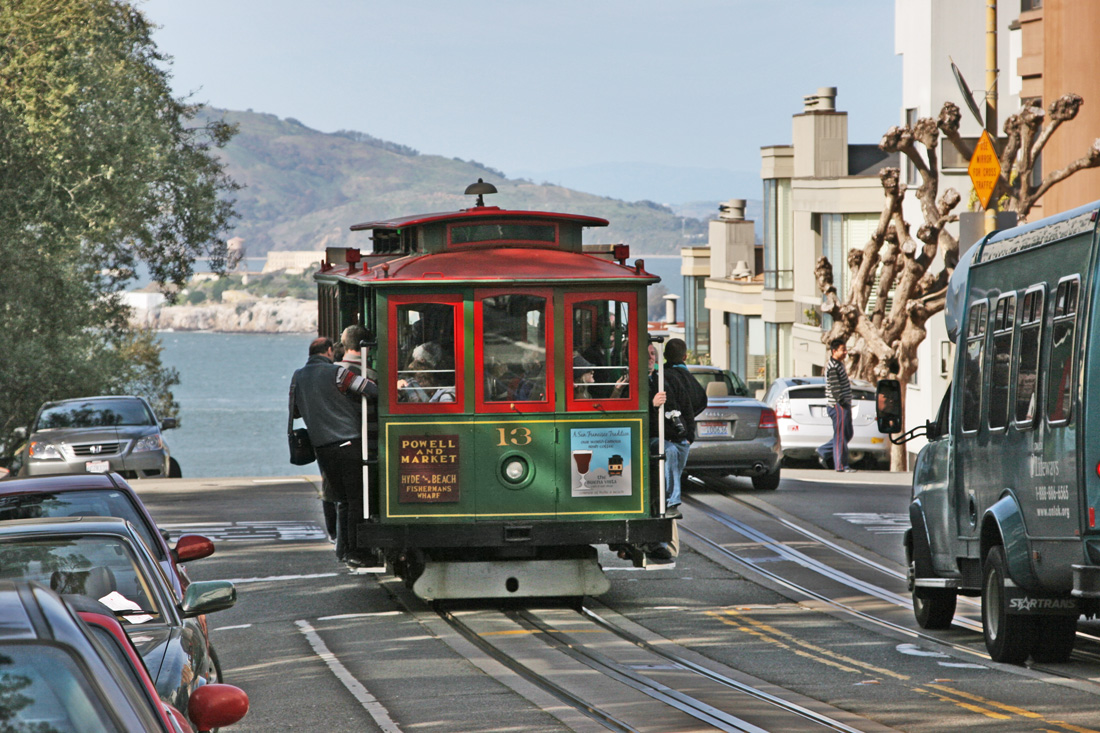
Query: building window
x=832 y=246
x=778 y=245
x=696 y=315
x=1026 y=5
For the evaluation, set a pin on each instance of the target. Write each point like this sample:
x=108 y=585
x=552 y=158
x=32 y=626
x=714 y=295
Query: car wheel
x=174 y=470
x=934 y=607
x=1008 y=637
x=766 y=482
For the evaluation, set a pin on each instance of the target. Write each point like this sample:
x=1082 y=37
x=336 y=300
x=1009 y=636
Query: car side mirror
x=207 y=596
x=193 y=547
x=888 y=406
x=169 y=422
x=215 y=705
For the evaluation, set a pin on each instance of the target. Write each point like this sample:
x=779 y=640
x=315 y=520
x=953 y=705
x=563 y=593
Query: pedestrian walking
x=838 y=396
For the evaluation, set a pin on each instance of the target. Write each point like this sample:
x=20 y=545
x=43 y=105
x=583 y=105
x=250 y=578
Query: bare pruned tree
x=908 y=275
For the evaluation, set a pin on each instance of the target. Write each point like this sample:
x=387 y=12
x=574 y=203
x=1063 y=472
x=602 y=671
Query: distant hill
x=304 y=188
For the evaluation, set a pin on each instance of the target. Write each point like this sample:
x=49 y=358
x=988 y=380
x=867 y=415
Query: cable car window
x=972 y=374
x=426 y=353
x=1000 y=372
x=504 y=232
x=513 y=333
x=601 y=349
x=1027 y=365
x=1060 y=369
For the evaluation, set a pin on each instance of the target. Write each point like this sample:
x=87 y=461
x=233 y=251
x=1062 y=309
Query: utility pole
x=991 y=98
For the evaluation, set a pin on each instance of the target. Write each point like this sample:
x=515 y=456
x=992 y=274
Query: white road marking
x=877 y=523
x=360 y=615
x=270 y=578
x=356 y=688
x=254 y=531
x=963 y=665
x=228 y=628
x=915 y=651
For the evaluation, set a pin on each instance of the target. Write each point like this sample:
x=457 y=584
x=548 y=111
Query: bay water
x=233 y=394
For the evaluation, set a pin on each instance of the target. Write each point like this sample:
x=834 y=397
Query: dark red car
x=101 y=495
x=56 y=676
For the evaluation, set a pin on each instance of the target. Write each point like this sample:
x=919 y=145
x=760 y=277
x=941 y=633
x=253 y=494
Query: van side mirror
x=888 y=406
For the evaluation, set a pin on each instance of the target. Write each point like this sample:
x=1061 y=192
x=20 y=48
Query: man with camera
x=684 y=399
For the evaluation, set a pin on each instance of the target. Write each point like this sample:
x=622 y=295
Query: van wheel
x=767 y=482
x=1054 y=642
x=934 y=607
x=1009 y=638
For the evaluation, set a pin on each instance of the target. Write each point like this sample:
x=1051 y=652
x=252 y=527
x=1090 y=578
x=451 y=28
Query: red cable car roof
x=494 y=212
x=498 y=263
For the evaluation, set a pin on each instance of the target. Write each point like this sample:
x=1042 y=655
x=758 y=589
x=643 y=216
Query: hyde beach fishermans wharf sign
x=428 y=469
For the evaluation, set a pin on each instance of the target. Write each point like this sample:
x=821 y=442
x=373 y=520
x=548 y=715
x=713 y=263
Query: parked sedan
x=101 y=495
x=96 y=435
x=804 y=424
x=52 y=677
x=211 y=706
x=736 y=434
x=105 y=558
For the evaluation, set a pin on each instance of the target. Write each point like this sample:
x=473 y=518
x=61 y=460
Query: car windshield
x=43 y=689
x=94 y=414
x=733 y=383
x=99 y=566
x=97 y=503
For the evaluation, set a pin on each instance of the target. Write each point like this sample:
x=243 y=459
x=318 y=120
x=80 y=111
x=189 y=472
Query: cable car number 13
x=514 y=436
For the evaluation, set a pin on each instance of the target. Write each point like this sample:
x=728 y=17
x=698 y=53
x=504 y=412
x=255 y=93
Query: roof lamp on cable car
x=480 y=189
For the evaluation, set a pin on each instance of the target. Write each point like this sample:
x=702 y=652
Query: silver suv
x=96 y=435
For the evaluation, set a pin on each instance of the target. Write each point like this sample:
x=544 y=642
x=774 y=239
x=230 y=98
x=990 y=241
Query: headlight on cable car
x=43 y=451
x=515 y=470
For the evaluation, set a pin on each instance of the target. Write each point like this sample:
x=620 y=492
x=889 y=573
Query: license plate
x=97 y=466
x=819 y=411
x=712 y=429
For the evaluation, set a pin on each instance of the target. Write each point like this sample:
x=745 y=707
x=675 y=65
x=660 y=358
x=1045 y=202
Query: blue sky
x=547 y=89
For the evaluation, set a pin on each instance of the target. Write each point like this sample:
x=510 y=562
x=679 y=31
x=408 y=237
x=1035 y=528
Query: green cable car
x=512 y=418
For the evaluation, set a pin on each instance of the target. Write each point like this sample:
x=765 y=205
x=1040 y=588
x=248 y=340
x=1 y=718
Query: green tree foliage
x=101 y=169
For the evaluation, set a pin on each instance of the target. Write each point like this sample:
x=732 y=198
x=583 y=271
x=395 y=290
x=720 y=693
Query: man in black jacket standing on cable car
x=327 y=397
x=685 y=398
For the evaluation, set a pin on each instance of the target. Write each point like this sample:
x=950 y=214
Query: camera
x=678 y=427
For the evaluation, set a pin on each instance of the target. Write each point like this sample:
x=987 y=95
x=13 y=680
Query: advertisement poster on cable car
x=599 y=462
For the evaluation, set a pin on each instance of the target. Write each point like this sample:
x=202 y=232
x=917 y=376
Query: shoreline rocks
x=244 y=315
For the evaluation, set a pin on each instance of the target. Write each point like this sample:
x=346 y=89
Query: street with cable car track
x=785 y=610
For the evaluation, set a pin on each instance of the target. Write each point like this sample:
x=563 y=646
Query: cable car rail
x=561 y=635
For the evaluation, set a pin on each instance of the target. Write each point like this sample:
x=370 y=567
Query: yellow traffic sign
x=984 y=169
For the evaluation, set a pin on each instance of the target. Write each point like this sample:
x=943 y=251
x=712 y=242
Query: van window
x=1027 y=366
x=972 y=374
x=1000 y=372
x=1060 y=370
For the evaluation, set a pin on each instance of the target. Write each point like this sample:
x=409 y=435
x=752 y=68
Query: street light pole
x=991 y=98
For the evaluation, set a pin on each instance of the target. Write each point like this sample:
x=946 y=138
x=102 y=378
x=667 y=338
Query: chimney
x=823 y=101
x=670 y=308
x=732 y=210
